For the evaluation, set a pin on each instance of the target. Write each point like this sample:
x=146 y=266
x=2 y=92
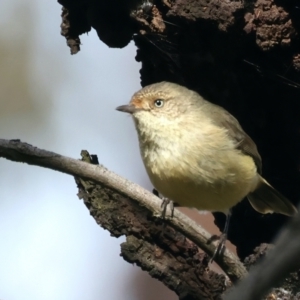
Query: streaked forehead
x=147 y=94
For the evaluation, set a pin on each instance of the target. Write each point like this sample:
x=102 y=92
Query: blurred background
x=50 y=247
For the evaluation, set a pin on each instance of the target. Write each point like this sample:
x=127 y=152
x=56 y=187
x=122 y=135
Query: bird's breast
x=204 y=172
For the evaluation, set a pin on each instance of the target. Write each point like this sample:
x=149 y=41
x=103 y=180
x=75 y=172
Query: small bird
x=197 y=154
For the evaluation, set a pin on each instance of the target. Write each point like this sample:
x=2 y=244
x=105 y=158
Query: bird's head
x=160 y=104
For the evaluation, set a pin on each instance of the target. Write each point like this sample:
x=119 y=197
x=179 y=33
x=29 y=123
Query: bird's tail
x=265 y=199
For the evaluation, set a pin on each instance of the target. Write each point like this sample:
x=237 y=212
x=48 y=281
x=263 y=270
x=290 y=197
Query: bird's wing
x=235 y=131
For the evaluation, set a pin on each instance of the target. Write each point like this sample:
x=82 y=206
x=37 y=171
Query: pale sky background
x=50 y=247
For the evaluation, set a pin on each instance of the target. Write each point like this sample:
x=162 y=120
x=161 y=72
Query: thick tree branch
x=151 y=244
x=157 y=245
x=121 y=193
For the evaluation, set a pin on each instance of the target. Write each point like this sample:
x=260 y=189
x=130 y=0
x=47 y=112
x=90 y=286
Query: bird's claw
x=164 y=204
x=220 y=248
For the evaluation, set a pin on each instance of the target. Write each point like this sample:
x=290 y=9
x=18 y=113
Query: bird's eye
x=159 y=103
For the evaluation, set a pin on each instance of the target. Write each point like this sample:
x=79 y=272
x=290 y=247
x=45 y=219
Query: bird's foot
x=220 y=248
x=165 y=203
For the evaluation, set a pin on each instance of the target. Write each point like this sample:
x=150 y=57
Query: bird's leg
x=221 y=239
x=164 y=204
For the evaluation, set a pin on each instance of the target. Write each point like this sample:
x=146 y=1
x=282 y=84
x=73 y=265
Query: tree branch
x=160 y=246
x=150 y=243
x=21 y=152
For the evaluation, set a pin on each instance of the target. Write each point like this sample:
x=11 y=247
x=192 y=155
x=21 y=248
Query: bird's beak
x=129 y=108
